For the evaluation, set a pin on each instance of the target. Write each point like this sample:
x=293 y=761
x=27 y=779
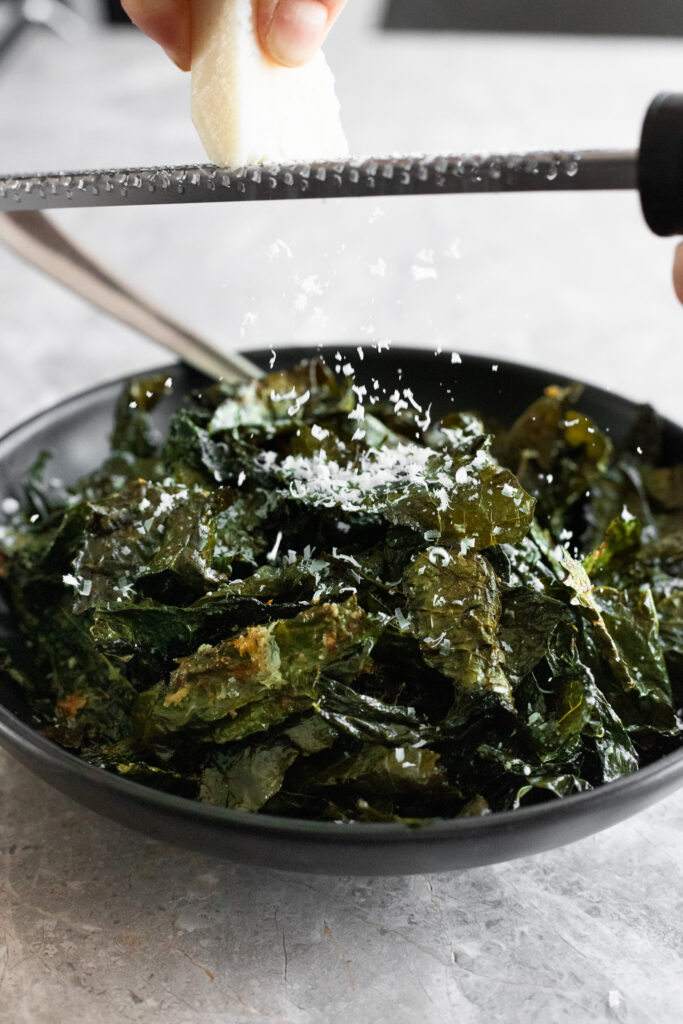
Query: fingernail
x=296 y=31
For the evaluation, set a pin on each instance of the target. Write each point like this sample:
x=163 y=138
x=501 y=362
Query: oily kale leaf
x=276 y=666
x=454 y=609
x=458 y=495
x=556 y=453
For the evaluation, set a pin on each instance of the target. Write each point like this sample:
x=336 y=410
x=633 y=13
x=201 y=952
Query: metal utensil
x=392 y=176
x=35 y=238
x=656 y=170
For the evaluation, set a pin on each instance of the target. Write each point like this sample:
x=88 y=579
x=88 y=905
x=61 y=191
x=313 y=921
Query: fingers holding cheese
x=290 y=31
x=247 y=108
x=261 y=89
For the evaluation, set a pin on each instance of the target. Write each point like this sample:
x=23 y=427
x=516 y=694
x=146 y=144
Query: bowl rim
x=19 y=737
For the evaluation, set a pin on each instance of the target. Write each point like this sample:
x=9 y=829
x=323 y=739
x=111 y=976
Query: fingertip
x=678 y=272
x=180 y=59
x=168 y=23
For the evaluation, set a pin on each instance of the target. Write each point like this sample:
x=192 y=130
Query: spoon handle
x=37 y=240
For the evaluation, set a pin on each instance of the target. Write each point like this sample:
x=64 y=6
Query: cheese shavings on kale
x=297 y=604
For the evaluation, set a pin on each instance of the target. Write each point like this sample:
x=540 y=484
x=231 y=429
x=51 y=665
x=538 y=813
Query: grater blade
x=391 y=176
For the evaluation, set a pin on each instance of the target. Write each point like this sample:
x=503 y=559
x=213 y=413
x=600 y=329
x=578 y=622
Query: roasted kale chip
x=303 y=599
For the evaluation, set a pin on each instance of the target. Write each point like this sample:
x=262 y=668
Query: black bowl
x=77 y=432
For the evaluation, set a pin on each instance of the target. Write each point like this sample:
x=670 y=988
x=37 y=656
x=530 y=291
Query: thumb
x=292 y=31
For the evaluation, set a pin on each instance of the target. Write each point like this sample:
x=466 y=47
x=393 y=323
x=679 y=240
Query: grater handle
x=660 y=165
x=35 y=238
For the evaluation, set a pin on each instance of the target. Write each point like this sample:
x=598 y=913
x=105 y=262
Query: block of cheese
x=248 y=109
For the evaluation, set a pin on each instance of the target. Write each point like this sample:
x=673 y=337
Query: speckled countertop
x=99 y=924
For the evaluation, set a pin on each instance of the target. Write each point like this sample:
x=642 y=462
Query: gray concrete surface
x=100 y=925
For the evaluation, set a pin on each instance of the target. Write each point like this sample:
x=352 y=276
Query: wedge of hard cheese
x=248 y=109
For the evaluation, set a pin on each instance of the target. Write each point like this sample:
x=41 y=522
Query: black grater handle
x=660 y=165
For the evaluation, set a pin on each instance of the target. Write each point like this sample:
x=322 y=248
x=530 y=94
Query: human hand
x=290 y=31
x=678 y=272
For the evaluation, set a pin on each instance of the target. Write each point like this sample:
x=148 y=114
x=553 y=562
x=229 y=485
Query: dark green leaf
x=387 y=772
x=527 y=624
x=133 y=432
x=454 y=606
x=279 y=663
x=618 y=546
x=247 y=779
x=665 y=485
